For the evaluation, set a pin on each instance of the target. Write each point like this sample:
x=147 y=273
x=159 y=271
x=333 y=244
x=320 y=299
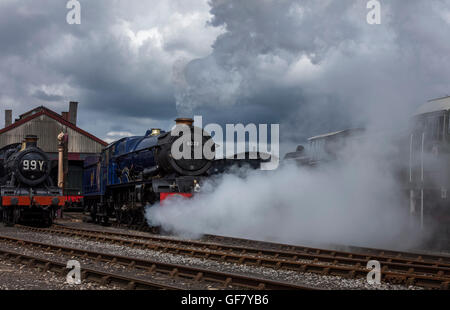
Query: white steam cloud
x=356 y=200
x=317 y=66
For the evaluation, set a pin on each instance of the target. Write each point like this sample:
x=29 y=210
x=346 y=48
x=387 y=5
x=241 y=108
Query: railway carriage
x=429 y=168
x=424 y=175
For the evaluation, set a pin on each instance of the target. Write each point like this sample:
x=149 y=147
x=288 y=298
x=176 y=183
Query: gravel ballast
x=305 y=279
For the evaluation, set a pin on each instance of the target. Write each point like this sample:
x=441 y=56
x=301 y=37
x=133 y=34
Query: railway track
x=362 y=251
x=173 y=271
x=429 y=274
x=356 y=251
x=88 y=274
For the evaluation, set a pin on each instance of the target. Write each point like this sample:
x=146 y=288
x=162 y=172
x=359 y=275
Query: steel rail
x=359 y=251
x=409 y=273
x=173 y=270
x=305 y=253
x=399 y=264
x=88 y=274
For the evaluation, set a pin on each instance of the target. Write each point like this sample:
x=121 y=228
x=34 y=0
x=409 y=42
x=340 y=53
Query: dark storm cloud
x=312 y=66
x=117 y=63
x=318 y=66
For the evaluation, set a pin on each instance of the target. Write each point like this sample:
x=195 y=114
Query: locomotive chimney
x=184 y=121
x=31 y=141
x=8 y=118
x=73 y=108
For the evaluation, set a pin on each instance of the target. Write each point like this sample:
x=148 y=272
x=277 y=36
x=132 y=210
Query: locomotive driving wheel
x=16 y=215
x=140 y=218
x=47 y=218
x=8 y=216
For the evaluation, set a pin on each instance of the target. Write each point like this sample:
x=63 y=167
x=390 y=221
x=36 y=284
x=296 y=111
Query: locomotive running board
x=26 y=201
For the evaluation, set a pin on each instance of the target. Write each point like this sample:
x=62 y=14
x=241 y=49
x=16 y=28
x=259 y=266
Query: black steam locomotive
x=138 y=171
x=28 y=194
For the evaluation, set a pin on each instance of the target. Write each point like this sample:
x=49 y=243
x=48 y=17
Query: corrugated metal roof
x=55 y=116
x=439 y=104
x=47 y=129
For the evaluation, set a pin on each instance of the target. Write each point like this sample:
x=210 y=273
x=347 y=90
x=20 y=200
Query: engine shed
x=47 y=125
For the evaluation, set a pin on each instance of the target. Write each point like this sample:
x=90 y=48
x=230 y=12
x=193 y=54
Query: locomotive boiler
x=27 y=191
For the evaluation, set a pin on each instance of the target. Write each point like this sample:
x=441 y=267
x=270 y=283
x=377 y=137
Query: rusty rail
x=400 y=271
x=358 y=251
x=289 y=251
x=174 y=270
x=88 y=274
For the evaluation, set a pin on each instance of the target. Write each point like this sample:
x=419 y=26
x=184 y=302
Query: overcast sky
x=312 y=65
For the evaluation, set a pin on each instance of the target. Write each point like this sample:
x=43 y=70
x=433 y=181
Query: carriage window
x=317 y=149
x=437 y=127
x=312 y=150
x=420 y=124
x=440 y=133
x=448 y=125
x=434 y=127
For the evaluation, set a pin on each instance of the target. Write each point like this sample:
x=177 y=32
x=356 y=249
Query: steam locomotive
x=28 y=194
x=137 y=171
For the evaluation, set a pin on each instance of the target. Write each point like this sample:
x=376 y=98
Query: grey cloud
x=366 y=75
x=103 y=63
x=42 y=95
x=312 y=66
